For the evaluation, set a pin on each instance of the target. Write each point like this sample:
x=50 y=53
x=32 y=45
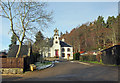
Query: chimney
x=63 y=39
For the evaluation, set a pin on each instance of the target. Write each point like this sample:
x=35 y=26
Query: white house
x=59 y=48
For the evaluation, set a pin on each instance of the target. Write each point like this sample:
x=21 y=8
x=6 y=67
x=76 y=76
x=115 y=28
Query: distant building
x=3 y=54
x=25 y=50
x=59 y=48
x=111 y=55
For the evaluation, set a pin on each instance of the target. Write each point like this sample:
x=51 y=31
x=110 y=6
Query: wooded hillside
x=94 y=35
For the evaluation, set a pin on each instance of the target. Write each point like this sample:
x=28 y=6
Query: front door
x=56 y=53
x=68 y=55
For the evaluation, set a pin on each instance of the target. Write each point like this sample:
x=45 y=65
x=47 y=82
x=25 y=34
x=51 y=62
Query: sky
x=66 y=16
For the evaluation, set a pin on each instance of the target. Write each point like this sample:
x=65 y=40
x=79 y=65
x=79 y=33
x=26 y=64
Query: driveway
x=69 y=71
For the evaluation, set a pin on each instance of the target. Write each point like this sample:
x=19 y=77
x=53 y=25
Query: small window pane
x=63 y=54
x=63 y=49
x=68 y=49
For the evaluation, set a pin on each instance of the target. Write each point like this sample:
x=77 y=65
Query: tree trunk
x=104 y=42
x=19 y=49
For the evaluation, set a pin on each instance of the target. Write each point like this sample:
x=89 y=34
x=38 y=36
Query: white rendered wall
x=66 y=52
x=56 y=46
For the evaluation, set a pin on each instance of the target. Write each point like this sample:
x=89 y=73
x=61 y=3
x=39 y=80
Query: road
x=69 y=71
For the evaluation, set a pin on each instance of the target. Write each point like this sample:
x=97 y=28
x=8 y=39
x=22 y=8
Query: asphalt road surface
x=69 y=71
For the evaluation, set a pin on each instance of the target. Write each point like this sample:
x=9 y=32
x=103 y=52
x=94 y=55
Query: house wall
x=52 y=52
x=66 y=52
x=56 y=46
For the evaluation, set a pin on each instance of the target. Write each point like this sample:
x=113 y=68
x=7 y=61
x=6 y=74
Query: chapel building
x=59 y=48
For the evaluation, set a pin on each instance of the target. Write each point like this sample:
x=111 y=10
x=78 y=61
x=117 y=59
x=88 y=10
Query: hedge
x=88 y=58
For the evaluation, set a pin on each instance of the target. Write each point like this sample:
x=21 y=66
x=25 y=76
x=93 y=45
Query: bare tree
x=25 y=18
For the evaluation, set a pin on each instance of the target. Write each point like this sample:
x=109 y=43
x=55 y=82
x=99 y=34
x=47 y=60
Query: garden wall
x=14 y=65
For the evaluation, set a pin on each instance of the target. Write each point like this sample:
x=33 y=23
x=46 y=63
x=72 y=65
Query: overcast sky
x=67 y=15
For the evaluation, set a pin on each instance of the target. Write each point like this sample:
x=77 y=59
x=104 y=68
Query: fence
x=15 y=62
x=12 y=62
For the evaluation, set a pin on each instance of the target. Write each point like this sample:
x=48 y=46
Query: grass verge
x=96 y=62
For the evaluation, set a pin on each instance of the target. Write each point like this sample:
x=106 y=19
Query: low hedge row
x=88 y=58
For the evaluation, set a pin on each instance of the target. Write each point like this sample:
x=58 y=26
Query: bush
x=36 y=56
x=76 y=56
x=98 y=58
x=88 y=58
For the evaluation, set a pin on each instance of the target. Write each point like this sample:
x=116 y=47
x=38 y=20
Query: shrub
x=76 y=56
x=36 y=56
x=88 y=58
x=98 y=58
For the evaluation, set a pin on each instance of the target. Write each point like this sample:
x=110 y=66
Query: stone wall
x=11 y=70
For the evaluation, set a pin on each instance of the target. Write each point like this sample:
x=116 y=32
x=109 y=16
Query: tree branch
x=5 y=11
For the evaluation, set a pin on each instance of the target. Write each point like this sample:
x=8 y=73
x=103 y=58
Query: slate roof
x=63 y=44
x=117 y=46
x=51 y=43
x=3 y=53
x=13 y=51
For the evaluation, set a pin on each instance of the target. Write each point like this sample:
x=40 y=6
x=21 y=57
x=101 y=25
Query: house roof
x=51 y=43
x=63 y=44
x=111 y=47
x=3 y=53
x=13 y=51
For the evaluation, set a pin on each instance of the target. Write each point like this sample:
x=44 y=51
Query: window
x=63 y=54
x=56 y=37
x=68 y=49
x=48 y=54
x=63 y=49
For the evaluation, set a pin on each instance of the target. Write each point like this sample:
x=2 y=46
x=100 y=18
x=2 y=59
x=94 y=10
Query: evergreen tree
x=13 y=40
x=110 y=21
x=66 y=32
x=39 y=37
x=39 y=42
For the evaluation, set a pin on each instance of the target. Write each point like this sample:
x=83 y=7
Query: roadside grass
x=96 y=62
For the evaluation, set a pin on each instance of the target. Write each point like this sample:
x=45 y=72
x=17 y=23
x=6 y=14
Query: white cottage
x=59 y=48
